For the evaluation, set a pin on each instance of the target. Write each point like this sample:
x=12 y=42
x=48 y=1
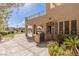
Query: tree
x=5 y=12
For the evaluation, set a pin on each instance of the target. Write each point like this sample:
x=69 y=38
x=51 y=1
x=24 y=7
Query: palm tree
x=72 y=43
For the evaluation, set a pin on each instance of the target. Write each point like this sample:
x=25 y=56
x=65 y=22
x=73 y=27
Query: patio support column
x=78 y=27
x=58 y=27
x=26 y=30
x=34 y=29
x=63 y=27
x=26 y=26
x=45 y=30
x=69 y=27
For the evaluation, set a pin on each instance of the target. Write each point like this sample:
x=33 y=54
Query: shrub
x=0 y=37
x=60 y=39
x=3 y=33
x=70 y=35
x=65 y=45
x=52 y=49
x=6 y=33
x=12 y=32
x=9 y=32
x=55 y=50
x=72 y=43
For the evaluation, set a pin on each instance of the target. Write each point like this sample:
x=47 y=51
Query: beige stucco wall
x=63 y=12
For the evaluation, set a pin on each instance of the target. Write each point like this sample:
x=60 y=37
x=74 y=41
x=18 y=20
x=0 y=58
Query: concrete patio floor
x=20 y=46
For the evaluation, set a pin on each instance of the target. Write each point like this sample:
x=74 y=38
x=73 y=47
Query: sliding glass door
x=73 y=27
x=60 y=27
x=66 y=27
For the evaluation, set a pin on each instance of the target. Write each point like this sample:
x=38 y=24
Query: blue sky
x=18 y=16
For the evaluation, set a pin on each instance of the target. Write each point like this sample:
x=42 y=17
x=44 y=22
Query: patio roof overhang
x=37 y=20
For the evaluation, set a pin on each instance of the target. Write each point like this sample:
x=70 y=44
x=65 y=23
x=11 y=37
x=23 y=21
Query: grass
x=8 y=37
x=11 y=35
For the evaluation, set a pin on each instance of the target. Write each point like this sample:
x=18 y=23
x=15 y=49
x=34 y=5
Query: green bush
x=9 y=32
x=6 y=33
x=0 y=37
x=60 y=39
x=70 y=35
x=3 y=33
x=72 y=42
x=52 y=49
x=55 y=50
x=65 y=45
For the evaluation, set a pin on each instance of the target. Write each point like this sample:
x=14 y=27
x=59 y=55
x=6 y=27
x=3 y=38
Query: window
x=49 y=29
x=73 y=27
x=48 y=25
x=61 y=27
x=52 y=24
x=56 y=28
x=66 y=27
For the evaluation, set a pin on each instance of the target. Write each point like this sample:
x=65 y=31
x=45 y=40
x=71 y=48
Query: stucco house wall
x=58 y=13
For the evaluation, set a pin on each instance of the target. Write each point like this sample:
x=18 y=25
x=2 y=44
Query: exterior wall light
x=50 y=18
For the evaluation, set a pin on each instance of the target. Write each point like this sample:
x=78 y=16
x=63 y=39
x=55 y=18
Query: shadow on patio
x=29 y=39
x=42 y=44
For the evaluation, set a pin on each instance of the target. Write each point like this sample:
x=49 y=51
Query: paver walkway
x=20 y=46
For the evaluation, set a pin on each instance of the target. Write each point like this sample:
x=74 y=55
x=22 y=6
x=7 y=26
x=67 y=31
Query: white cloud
x=22 y=24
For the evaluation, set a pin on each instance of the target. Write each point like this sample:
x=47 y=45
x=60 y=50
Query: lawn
x=10 y=36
